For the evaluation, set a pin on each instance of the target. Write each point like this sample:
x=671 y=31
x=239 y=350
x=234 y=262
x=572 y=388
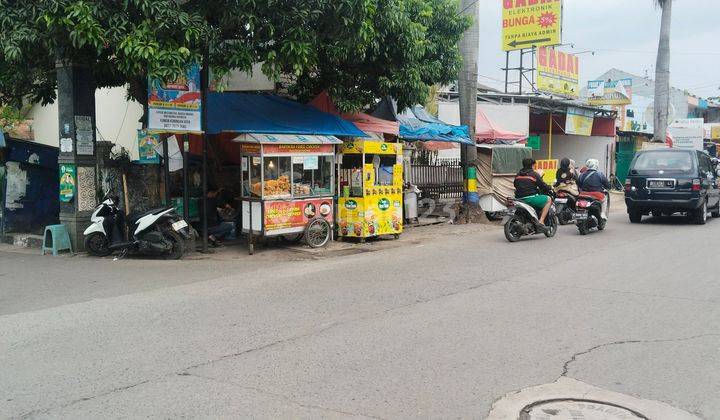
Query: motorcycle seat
x=593 y=195
x=134 y=217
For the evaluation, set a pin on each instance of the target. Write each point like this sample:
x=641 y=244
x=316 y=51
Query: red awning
x=486 y=131
x=437 y=145
x=364 y=122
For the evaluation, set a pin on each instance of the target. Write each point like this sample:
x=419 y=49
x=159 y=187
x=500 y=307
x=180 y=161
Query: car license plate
x=661 y=183
x=179 y=225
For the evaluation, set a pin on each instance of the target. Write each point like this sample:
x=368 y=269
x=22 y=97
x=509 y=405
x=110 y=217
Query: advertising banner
x=610 y=92
x=175 y=106
x=579 y=121
x=687 y=133
x=68 y=182
x=283 y=217
x=298 y=148
x=548 y=167
x=370 y=216
x=528 y=23
x=558 y=73
x=148 y=143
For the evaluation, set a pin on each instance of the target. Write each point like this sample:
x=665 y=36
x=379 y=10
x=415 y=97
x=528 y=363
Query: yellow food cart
x=370 y=189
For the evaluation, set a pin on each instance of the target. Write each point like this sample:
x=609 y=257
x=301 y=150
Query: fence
x=441 y=181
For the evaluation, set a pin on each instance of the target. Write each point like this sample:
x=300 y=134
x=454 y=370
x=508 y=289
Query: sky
x=623 y=34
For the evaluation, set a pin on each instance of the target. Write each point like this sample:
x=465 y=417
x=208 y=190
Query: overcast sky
x=623 y=34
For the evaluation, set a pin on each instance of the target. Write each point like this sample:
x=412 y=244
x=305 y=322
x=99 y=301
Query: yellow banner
x=579 y=121
x=528 y=23
x=715 y=132
x=558 y=73
x=548 y=168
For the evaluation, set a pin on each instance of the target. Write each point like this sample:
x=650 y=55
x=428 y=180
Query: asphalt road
x=434 y=329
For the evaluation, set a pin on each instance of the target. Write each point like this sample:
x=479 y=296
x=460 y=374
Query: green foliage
x=359 y=50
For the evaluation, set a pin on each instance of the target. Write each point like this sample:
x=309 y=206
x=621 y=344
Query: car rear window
x=664 y=161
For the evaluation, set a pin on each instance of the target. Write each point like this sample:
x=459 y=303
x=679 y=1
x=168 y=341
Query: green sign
x=383 y=204
x=68 y=182
x=351 y=204
x=147 y=142
x=533 y=142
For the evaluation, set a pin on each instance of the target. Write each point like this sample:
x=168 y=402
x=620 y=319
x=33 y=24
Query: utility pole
x=77 y=158
x=467 y=90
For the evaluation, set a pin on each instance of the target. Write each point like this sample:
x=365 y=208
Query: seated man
x=531 y=189
x=216 y=227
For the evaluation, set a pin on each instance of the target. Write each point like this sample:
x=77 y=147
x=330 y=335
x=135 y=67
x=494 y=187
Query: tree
x=359 y=50
x=662 y=73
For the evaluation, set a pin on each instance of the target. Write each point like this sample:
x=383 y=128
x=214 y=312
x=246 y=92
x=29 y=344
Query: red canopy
x=487 y=131
x=364 y=122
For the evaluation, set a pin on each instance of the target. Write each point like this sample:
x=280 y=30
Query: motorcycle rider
x=532 y=190
x=566 y=178
x=595 y=182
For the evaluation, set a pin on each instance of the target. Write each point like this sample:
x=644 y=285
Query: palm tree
x=662 y=72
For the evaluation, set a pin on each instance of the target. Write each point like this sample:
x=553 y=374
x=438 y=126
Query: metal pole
x=550 y=137
x=166 y=170
x=186 y=198
x=204 y=82
x=507 y=69
x=522 y=52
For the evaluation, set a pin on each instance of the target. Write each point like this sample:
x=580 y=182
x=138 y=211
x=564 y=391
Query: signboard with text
x=148 y=144
x=579 y=121
x=558 y=73
x=528 y=23
x=548 y=167
x=283 y=217
x=687 y=133
x=610 y=92
x=175 y=106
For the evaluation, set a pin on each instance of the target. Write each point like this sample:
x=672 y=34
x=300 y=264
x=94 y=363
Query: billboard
x=528 y=23
x=558 y=73
x=687 y=133
x=175 y=106
x=579 y=121
x=610 y=92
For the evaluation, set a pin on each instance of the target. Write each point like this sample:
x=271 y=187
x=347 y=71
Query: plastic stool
x=56 y=238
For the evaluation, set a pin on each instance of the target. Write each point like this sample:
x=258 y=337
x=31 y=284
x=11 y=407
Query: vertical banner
x=148 y=144
x=175 y=106
x=531 y=23
x=558 y=73
x=579 y=121
x=68 y=182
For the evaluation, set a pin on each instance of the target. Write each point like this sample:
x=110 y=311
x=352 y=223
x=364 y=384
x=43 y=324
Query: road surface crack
x=281 y=396
x=573 y=359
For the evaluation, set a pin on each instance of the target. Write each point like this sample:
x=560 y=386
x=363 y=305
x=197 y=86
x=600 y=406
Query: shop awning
x=286 y=139
x=363 y=121
x=248 y=113
x=487 y=131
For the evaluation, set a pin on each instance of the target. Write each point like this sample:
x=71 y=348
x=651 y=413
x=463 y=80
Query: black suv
x=667 y=181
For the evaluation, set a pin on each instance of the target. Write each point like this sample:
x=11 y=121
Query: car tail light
x=696 y=184
x=583 y=203
x=628 y=185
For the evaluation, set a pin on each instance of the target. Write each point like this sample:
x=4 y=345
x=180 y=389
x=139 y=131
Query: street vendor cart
x=287 y=187
x=371 y=189
x=497 y=166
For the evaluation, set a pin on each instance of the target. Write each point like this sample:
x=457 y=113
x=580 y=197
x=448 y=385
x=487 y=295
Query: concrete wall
x=509 y=117
x=117 y=120
x=579 y=148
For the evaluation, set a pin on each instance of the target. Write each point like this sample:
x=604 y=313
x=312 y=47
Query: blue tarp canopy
x=417 y=125
x=268 y=114
x=412 y=129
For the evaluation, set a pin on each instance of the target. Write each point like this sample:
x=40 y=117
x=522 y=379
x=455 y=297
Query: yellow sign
x=558 y=73
x=715 y=132
x=548 y=168
x=528 y=23
x=579 y=121
x=373 y=215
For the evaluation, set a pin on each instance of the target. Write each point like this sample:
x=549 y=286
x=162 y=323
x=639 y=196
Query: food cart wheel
x=317 y=233
x=396 y=235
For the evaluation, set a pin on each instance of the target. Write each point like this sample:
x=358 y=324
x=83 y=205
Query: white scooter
x=158 y=232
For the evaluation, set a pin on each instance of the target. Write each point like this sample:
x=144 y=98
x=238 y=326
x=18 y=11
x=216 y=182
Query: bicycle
x=615 y=184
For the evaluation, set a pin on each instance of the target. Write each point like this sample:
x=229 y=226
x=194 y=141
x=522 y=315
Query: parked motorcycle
x=565 y=207
x=588 y=212
x=158 y=232
x=521 y=220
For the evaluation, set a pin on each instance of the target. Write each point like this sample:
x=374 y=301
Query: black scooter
x=565 y=207
x=588 y=213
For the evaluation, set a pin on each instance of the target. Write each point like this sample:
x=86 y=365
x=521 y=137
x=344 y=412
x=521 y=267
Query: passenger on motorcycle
x=596 y=183
x=566 y=178
x=531 y=189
